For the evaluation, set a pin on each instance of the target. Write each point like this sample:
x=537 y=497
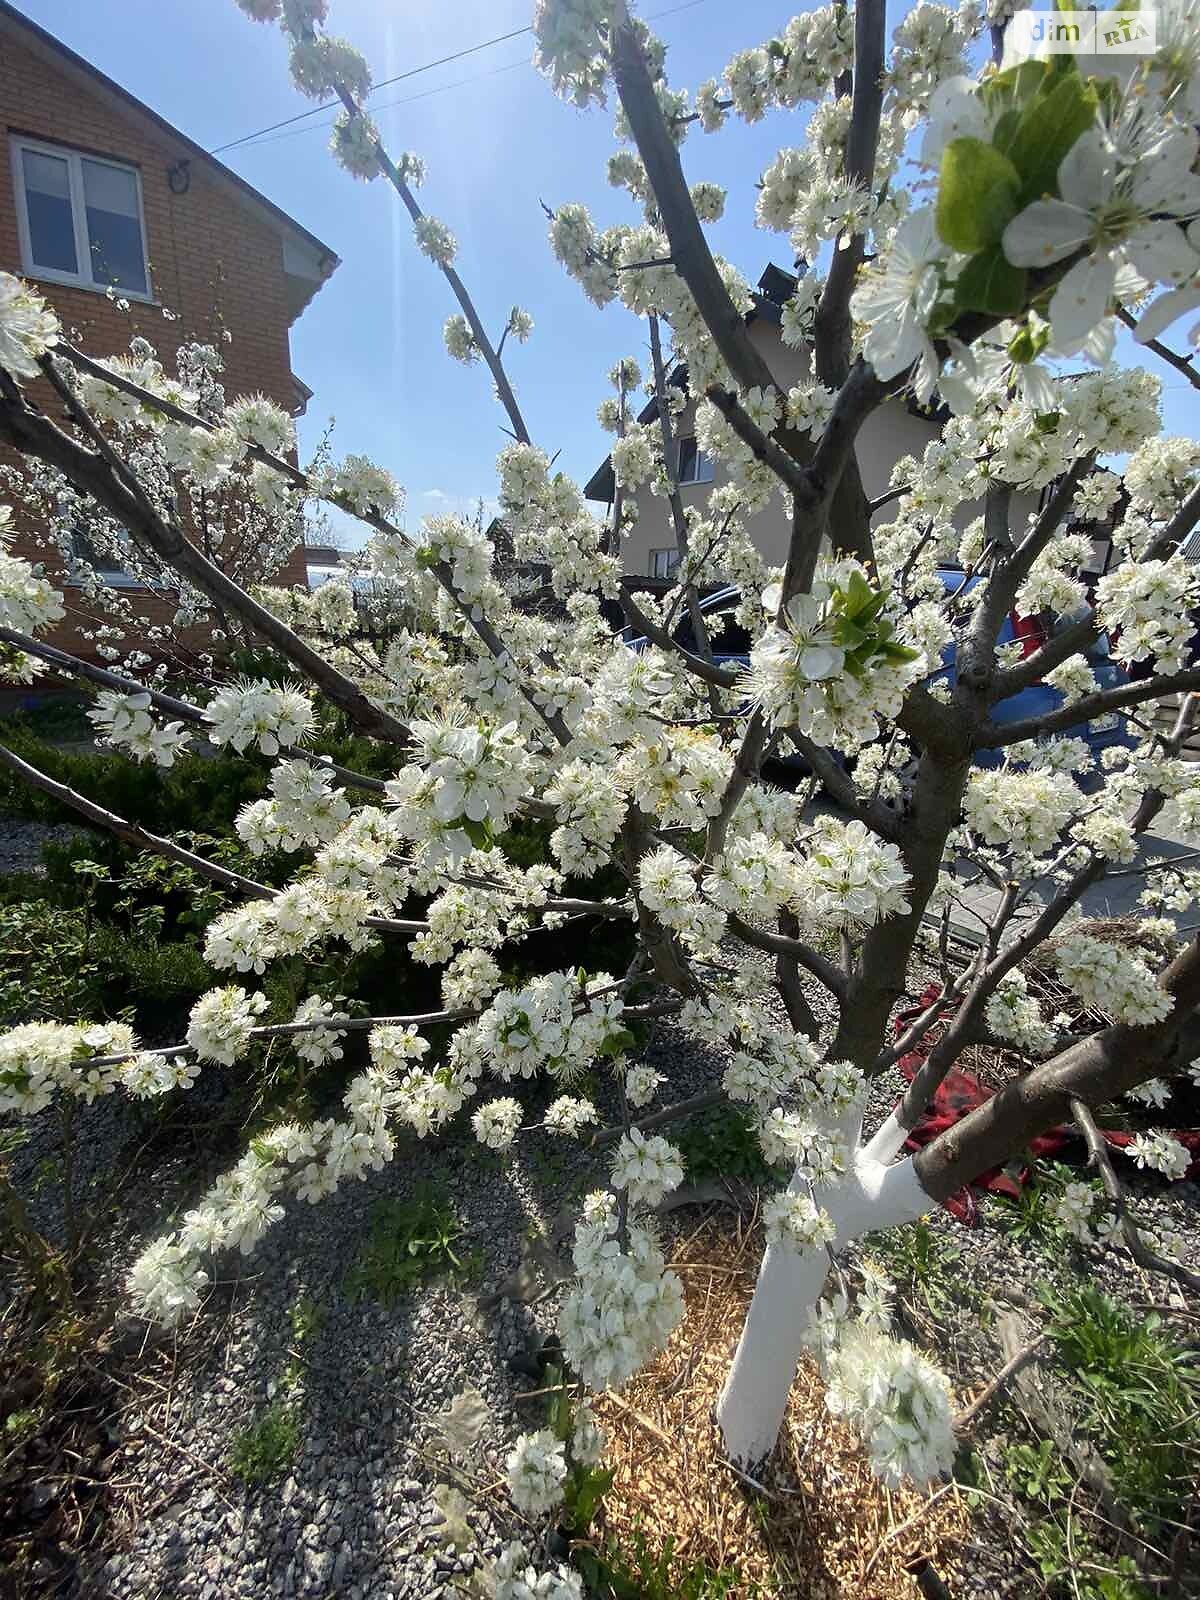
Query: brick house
x=97 y=190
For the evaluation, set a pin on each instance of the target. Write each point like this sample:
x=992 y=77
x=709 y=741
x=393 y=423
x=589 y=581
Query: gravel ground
x=357 y=1514
x=21 y=843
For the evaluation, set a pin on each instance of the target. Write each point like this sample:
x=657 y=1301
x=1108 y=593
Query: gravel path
x=21 y=843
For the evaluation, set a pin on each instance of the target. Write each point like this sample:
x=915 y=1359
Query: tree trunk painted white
x=752 y=1404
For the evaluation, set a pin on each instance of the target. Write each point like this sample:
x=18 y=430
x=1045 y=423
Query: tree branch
x=168 y=703
x=721 y=677
x=995 y=735
x=1094 y=1070
x=491 y=355
x=32 y=433
x=1130 y=1232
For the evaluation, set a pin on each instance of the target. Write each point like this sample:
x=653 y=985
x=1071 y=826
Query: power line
x=389 y=105
x=413 y=72
x=385 y=84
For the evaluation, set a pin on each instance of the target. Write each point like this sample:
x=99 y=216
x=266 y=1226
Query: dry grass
x=825 y=1529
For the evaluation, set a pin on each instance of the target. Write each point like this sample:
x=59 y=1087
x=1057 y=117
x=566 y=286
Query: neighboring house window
x=694 y=465
x=663 y=562
x=107 y=566
x=80 y=219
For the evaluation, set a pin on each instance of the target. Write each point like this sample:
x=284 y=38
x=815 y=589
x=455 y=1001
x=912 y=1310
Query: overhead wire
x=386 y=83
x=286 y=129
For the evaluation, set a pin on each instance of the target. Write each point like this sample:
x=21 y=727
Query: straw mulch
x=825 y=1529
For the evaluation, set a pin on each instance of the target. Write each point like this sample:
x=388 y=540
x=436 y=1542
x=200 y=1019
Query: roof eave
x=325 y=260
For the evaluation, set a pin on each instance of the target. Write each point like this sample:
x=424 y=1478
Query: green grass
x=262 y=1451
x=1137 y=1390
x=410 y=1242
x=637 y=1572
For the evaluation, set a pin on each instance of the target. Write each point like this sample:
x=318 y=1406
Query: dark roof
x=45 y=44
x=775 y=289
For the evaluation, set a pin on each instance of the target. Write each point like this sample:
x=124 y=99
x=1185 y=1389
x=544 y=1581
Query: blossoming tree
x=985 y=228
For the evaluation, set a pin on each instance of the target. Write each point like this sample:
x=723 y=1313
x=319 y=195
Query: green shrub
x=722 y=1143
x=1138 y=1391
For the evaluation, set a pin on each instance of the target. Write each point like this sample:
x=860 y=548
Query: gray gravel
x=21 y=843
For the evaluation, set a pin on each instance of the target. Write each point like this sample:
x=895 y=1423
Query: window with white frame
x=694 y=465
x=102 y=549
x=663 y=562
x=80 y=218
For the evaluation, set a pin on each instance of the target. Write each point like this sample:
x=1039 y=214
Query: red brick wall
x=213 y=262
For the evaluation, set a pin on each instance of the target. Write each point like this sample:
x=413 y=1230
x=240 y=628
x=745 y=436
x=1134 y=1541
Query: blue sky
x=497 y=142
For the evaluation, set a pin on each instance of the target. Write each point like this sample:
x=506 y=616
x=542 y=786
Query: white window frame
x=702 y=465
x=18 y=143
x=670 y=564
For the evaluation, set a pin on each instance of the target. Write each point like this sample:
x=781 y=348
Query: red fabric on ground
x=959 y=1093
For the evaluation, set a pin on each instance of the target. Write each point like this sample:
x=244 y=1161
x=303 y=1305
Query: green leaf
x=1014 y=86
x=479 y=833
x=989 y=282
x=1048 y=127
x=977 y=195
x=617 y=1043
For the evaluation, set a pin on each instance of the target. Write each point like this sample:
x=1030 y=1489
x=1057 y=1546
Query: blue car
x=731 y=647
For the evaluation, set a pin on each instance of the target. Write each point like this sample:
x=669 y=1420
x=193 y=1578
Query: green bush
x=198 y=794
x=722 y=1143
x=59 y=964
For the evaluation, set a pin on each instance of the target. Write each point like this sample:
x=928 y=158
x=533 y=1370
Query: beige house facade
x=889 y=433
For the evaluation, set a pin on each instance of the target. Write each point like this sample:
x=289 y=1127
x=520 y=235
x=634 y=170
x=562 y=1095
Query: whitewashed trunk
x=754 y=1399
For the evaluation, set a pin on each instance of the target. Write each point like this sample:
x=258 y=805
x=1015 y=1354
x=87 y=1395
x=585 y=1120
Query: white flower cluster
x=794 y=1218
x=267 y=716
x=1073 y=1209
x=552 y=1023
x=316 y=1044
x=38 y=1059
x=28 y=328
x=625 y=1305
x=27 y=600
x=467 y=778
x=1160 y=1152
x=1113 y=981
x=849 y=877
x=363 y=487
x=1014 y=1015
x=1024 y=812
x=125 y=722
x=1149 y=603
x=799 y=674
x=518 y=1579
x=496 y=1123
x=571 y=46
x=536 y=1470
x=647 y=1167
x=885 y=1389
x=806 y=1140
x=667 y=888
x=222 y=1022
x=304 y=809
x=569 y=1115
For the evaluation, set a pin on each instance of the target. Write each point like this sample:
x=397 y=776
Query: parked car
x=731 y=647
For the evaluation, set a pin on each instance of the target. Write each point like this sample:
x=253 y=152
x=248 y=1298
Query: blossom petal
x=1162 y=254
x=1081 y=300
x=1044 y=232
x=1159 y=317
x=1087 y=172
